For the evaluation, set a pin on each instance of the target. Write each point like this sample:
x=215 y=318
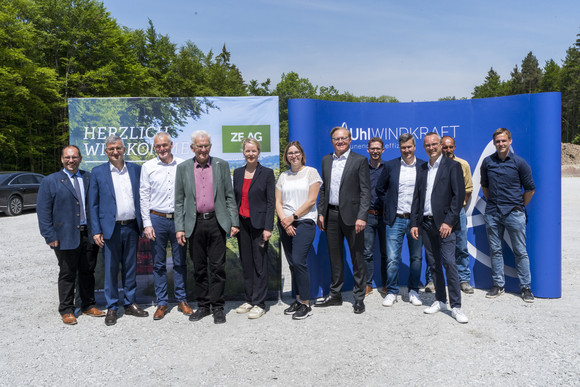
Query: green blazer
x=223 y=193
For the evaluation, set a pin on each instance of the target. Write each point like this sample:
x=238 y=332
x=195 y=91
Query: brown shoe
x=160 y=312
x=369 y=290
x=69 y=319
x=383 y=290
x=111 y=318
x=135 y=310
x=94 y=312
x=184 y=308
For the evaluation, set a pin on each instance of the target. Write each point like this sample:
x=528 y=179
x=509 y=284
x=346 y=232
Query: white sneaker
x=414 y=298
x=458 y=314
x=390 y=299
x=437 y=306
x=244 y=308
x=256 y=312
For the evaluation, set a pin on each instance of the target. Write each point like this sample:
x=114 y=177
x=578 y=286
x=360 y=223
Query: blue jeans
x=375 y=225
x=395 y=235
x=515 y=224
x=164 y=233
x=461 y=253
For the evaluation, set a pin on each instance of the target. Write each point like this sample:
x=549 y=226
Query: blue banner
x=534 y=121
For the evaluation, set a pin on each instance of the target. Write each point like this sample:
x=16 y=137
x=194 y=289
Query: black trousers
x=336 y=231
x=207 y=248
x=254 y=259
x=81 y=263
x=439 y=251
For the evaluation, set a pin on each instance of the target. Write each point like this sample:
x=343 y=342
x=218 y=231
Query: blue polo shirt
x=504 y=180
x=375 y=174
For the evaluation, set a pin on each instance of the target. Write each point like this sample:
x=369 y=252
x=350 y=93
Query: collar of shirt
x=173 y=162
x=343 y=156
x=198 y=165
x=70 y=175
x=114 y=169
x=404 y=164
x=381 y=162
x=436 y=163
x=508 y=157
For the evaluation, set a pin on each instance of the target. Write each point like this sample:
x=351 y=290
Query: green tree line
x=52 y=50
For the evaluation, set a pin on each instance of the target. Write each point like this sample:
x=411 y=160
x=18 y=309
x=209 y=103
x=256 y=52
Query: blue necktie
x=80 y=197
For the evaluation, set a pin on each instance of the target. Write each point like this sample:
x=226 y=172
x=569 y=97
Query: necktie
x=80 y=197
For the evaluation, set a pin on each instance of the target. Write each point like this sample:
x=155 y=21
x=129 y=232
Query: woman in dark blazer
x=254 y=189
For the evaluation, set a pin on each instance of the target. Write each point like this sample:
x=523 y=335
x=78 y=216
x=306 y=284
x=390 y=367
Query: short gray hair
x=432 y=134
x=200 y=133
x=406 y=137
x=114 y=138
x=162 y=134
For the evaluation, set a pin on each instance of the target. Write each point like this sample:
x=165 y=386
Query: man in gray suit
x=205 y=210
x=343 y=211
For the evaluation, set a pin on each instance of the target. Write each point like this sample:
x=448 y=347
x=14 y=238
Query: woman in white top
x=296 y=193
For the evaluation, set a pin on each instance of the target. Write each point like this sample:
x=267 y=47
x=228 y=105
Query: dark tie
x=80 y=197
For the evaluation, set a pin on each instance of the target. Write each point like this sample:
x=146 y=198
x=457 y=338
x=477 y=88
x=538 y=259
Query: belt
x=162 y=214
x=125 y=222
x=82 y=228
x=205 y=215
x=375 y=212
x=332 y=207
x=404 y=216
x=428 y=218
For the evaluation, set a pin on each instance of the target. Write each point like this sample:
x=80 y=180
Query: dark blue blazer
x=58 y=209
x=388 y=188
x=447 y=196
x=261 y=196
x=103 y=204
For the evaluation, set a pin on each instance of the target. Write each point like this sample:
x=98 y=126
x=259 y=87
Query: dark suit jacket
x=355 y=189
x=58 y=209
x=447 y=196
x=223 y=194
x=103 y=204
x=261 y=198
x=388 y=188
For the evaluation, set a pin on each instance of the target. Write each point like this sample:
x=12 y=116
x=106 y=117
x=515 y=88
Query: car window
x=38 y=178
x=24 y=179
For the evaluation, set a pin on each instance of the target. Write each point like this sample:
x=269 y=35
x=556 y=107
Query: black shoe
x=219 y=316
x=359 y=307
x=303 y=312
x=135 y=310
x=111 y=318
x=495 y=291
x=199 y=314
x=293 y=308
x=527 y=295
x=329 y=301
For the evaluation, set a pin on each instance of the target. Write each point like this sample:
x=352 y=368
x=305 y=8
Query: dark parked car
x=18 y=191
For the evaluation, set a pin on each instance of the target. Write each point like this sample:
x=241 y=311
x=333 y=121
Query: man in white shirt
x=157 y=192
x=395 y=194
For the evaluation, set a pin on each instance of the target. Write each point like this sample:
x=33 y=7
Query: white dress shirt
x=338 y=164
x=407 y=178
x=123 y=193
x=157 y=187
x=432 y=172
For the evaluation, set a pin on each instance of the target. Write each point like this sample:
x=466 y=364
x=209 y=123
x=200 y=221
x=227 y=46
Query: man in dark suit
x=395 y=192
x=205 y=210
x=343 y=208
x=437 y=201
x=116 y=225
x=62 y=218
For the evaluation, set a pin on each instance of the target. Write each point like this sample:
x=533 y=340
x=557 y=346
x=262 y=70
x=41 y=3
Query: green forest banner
x=136 y=120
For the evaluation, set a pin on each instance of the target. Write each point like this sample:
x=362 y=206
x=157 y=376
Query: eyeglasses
x=159 y=146
x=118 y=149
x=448 y=147
x=71 y=157
x=294 y=153
x=376 y=149
x=433 y=145
x=335 y=139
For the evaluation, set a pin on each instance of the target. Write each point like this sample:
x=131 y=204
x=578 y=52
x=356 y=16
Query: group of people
x=196 y=204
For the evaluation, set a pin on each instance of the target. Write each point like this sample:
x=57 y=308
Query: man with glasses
x=62 y=219
x=437 y=201
x=205 y=211
x=116 y=225
x=157 y=194
x=343 y=208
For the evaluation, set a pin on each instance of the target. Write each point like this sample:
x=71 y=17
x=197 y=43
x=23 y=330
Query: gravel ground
x=506 y=341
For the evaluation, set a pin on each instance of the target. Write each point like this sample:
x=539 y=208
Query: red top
x=245 y=205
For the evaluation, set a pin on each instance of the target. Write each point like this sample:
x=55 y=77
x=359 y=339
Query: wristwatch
x=295 y=216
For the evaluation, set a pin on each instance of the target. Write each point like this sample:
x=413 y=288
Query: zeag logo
x=233 y=135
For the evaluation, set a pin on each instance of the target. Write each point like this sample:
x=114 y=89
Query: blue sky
x=412 y=50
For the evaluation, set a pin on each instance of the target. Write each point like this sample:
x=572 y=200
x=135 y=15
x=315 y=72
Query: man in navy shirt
x=503 y=175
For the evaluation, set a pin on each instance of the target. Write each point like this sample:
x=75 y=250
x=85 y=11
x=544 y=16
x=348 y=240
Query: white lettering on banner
x=237 y=136
x=125 y=132
x=392 y=134
x=93 y=149
x=257 y=136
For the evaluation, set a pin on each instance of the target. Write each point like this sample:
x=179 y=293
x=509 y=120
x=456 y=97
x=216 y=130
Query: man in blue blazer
x=437 y=201
x=62 y=218
x=395 y=193
x=343 y=208
x=116 y=225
